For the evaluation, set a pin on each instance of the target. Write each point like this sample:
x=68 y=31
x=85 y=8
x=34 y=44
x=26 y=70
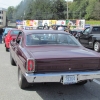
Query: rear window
x=6 y=30
x=96 y=30
x=48 y=39
x=15 y=32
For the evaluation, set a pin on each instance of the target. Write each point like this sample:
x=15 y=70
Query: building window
x=1 y=17
x=1 y=12
x=1 y=23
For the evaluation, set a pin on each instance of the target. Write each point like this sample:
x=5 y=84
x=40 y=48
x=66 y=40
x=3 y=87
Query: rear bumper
x=58 y=77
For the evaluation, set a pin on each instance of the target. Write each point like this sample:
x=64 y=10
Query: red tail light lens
x=30 y=65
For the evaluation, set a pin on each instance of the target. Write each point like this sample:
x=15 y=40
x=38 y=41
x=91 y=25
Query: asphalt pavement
x=9 y=89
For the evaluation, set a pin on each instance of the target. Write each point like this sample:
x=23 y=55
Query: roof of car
x=15 y=29
x=43 y=31
x=94 y=26
x=59 y=25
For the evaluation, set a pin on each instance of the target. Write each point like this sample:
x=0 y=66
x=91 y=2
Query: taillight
x=30 y=65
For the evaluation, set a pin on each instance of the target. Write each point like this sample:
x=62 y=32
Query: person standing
x=50 y=28
x=1 y=32
x=54 y=27
x=67 y=30
x=61 y=28
x=69 y=27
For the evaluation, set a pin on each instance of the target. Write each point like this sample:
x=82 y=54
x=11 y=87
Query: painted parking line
x=96 y=81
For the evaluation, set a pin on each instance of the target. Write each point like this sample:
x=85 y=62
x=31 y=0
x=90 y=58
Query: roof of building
x=3 y=9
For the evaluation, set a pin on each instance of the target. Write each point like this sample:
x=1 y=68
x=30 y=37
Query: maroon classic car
x=52 y=56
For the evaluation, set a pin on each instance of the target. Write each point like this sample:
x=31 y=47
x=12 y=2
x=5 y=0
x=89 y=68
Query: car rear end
x=62 y=65
x=5 y=33
x=11 y=36
x=66 y=71
x=56 y=57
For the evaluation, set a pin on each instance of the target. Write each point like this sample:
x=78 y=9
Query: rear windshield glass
x=15 y=32
x=96 y=30
x=6 y=30
x=55 y=39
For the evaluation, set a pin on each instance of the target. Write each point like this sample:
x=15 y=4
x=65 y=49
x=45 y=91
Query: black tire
x=21 y=80
x=82 y=82
x=7 y=49
x=12 y=60
x=97 y=46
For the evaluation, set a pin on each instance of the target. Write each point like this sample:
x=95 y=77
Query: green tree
x=40 y=9
x=10 y=12
x=90 y=9
x=96 y=12
x=60 y=8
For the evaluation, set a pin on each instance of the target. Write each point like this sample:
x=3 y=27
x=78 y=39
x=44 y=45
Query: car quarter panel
x=21 y=58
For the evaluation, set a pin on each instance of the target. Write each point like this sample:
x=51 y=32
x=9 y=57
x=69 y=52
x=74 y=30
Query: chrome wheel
x=97 y=46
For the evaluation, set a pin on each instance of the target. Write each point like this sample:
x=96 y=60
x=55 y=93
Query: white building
x=2 y=17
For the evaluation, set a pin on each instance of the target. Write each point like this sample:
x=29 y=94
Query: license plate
x=69 y=79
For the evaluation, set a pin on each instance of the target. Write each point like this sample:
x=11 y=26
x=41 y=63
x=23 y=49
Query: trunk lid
x=65 y=59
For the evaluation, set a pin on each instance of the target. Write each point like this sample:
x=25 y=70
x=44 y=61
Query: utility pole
x=67 y=9
x=24 y=15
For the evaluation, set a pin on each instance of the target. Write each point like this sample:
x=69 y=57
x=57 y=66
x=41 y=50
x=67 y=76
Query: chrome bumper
x=58 y=77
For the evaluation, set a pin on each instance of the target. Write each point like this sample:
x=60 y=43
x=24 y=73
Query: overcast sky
x=7 y=3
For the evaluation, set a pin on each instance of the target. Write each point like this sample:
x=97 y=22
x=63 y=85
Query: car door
x=85 y=37
x=16 y=47
x=12 y=48
x=20 y=57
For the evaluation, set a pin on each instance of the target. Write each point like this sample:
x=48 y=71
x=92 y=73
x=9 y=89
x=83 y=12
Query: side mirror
x=17 y=41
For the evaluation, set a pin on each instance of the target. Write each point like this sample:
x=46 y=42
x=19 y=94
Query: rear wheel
x=97 y=46
x=12 y=60
x=21 y=80
x=7 y=49
x=82 y=82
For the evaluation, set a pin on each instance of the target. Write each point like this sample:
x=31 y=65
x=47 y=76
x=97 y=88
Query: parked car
x=52 y=56
x=5 y=33
x=40 y=27
x=76 y=32
x=12 y=34
x=90 y=38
